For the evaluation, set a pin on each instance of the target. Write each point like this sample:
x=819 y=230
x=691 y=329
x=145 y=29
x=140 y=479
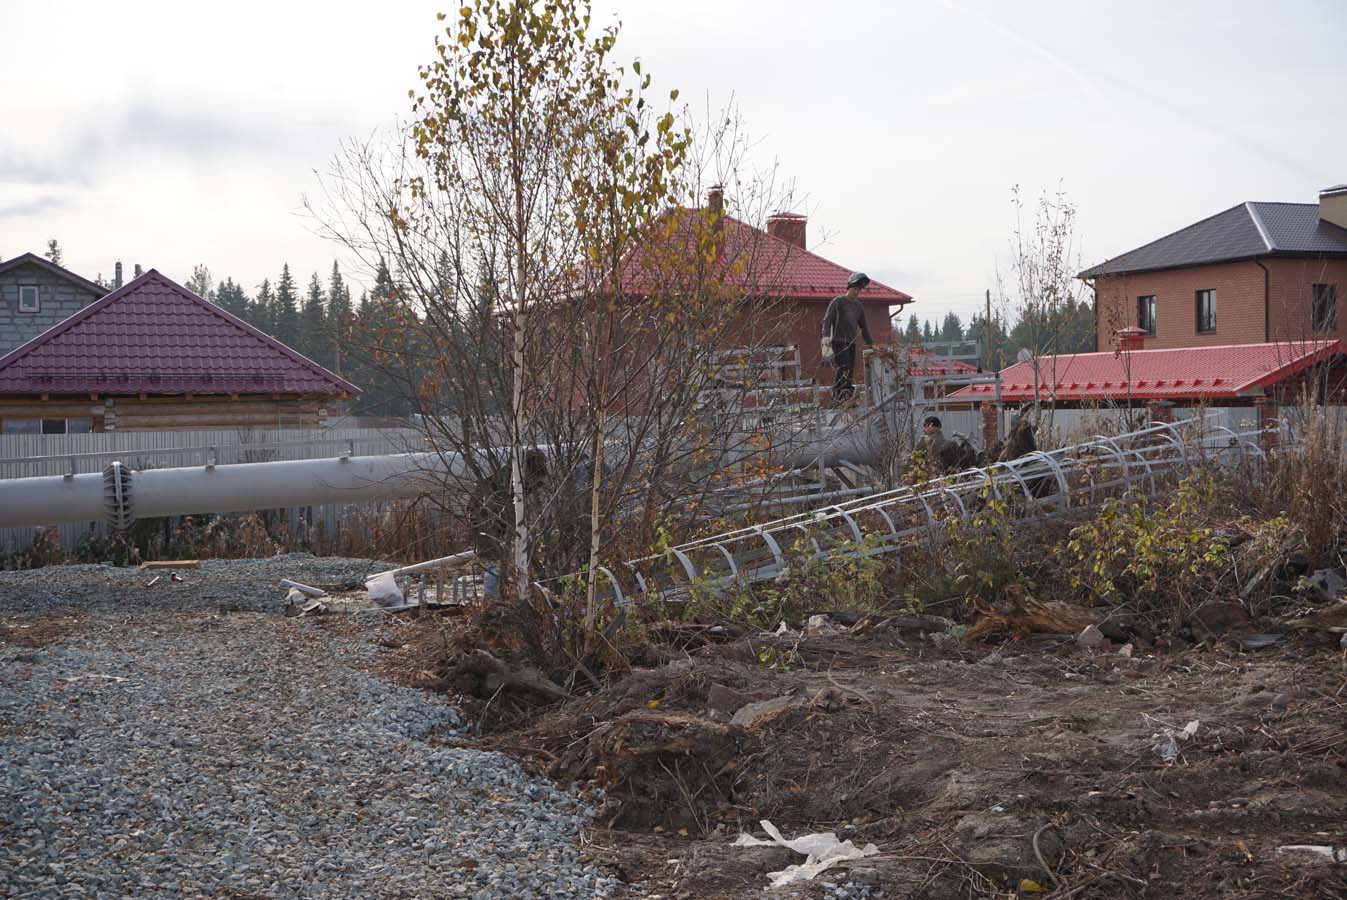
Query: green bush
x=1162 y=558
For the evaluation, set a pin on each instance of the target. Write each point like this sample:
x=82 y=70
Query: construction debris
x=1167 y=748
x=821 y=850
x=170 y=564
x=384 y=588
x=1091 y=637
x=304 y=589
x=1314 y=853
x=754 y=715
x=1333 y=618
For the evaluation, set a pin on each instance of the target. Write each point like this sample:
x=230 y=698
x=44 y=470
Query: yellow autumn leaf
x=652 y=704
x=1029 y=886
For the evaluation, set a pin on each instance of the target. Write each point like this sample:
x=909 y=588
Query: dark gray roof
x=1246 y=231
x=32 y=259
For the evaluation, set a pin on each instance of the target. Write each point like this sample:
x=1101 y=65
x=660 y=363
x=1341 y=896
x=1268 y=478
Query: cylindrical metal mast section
x=239 y=487
x=230 y=488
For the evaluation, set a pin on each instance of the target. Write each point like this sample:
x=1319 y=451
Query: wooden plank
x=170 y=564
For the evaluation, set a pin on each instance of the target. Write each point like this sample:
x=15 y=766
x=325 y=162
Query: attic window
x=28 y=298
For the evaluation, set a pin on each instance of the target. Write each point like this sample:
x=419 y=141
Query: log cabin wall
x=181 y=413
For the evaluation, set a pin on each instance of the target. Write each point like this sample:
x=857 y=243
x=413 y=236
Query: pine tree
x=339 y=314
x=264 y=310
x=913 y=332
x=952 y=329
x=927 y=332
x=232 y=300
x=383 y=282
x=286 y=327
x=312 y=322
x=54 y=251
x=201 y=284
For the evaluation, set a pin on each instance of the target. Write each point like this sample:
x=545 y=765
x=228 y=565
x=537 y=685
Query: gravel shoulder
x=187 y=740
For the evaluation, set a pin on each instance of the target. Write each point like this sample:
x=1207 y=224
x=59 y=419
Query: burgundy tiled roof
x=1189 y=373
x=153 y=336
x=762 y=264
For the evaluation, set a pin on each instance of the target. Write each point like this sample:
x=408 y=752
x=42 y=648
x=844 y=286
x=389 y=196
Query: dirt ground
x=978 y=770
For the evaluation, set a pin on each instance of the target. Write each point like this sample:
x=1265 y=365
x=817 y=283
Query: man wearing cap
x=844 y=318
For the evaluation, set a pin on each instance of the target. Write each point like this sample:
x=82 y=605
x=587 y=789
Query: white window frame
x=36 y=296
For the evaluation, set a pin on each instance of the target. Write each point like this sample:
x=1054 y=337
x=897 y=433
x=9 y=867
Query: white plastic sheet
x=821 y=851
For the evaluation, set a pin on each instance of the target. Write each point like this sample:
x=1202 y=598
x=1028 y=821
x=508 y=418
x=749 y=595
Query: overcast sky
x=171 y=134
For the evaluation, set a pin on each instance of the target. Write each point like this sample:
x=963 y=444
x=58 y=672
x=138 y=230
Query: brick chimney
x=139 y=270
x=790 y=227
x=1131 y=338
x=1333 y=205
x=117 y=275
x=715 y=198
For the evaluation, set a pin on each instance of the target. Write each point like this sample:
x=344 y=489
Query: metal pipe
x=241 y=487
x=214 y=489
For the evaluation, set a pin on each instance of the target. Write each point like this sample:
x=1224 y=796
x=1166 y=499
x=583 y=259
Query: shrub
x=1161 y=558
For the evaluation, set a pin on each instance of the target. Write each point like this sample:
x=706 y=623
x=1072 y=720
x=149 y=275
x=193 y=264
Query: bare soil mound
x=977 y=771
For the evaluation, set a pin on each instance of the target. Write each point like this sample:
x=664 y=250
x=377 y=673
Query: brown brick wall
x=1239 y=305
x=1290 y=291
x=1239 y=302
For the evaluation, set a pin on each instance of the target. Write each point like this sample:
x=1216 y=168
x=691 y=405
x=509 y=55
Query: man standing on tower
x=841 y=323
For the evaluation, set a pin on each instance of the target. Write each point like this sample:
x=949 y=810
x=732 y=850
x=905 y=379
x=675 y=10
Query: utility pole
x=987 y=331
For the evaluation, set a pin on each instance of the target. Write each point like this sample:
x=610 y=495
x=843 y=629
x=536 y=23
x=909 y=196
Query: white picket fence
x=30 y=455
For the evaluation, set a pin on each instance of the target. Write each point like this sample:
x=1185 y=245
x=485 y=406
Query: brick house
x=36 y=294
x=790 y=285
x=153 y=356
x=1255 y=273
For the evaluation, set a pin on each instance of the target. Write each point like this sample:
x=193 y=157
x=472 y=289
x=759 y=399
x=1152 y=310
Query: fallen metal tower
x=1037 y=485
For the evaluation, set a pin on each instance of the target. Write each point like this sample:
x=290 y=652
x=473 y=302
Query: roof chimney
x=117 y=275
x=1333 y=205
x=139 y=271
x=1131 y=338
x=715 y=198
x=790 y=227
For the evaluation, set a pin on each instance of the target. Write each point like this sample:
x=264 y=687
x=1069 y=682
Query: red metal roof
x=153 y=336
x=1189 y=373
x=924 y=363
x=759 y=263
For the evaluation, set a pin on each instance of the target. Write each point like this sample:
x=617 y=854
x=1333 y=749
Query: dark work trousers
x=844 y=358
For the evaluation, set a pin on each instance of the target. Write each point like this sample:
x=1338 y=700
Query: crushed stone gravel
x=186 y=740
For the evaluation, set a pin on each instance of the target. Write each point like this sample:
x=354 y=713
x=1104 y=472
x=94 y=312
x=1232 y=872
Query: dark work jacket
x=844 y=318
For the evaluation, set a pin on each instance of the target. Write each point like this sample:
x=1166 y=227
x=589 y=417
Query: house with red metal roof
x=791 y=285
x=1239 y=374
x=152 y=355
x=1254 y=273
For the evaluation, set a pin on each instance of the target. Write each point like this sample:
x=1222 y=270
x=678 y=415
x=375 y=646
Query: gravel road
x=187 y=740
